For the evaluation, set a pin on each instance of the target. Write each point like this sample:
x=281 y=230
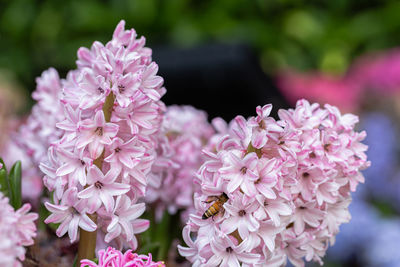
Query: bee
x=216 y=207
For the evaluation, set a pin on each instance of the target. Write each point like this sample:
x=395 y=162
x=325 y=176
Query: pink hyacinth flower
x=102 y=188
x=71 y=213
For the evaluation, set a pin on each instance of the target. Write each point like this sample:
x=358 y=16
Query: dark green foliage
x=14 y=178
x=158 y=239
x=4 y=186
x=312 y=34
x=10 y=184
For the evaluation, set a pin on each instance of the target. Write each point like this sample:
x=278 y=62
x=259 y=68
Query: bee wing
x=211 y=199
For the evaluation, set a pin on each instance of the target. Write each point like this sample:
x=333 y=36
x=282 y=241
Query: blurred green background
x=304 y=34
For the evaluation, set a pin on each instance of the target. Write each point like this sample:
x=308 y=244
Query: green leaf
x=43 y=214
x=4 y=182
x=4 y=186
x=15 y=185
x=162 y=235
x=149 y=247
x=75 y=261
x=4 y=165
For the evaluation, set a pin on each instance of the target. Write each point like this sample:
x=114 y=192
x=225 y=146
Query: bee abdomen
x=210 y=212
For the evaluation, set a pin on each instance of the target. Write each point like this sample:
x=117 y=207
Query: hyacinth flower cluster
x=275 y=191
x=370 y=237
x=98 y=168
x=185 y=131
x=112 y=257
x=39 y=131
x=17 y=230
x=33 y=138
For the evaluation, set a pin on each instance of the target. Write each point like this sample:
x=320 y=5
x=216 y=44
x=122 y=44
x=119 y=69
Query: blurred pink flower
x=17 y=229
x=26 y=228
x=379 y=71
x=185 y=132
x=322 y=88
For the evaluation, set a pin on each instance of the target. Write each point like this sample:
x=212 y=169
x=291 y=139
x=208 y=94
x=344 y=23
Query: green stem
x=251 y=149
x=87 y=240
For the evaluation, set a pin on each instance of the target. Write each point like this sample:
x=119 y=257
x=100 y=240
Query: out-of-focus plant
x=184 y=133
x=13 y=101
x=371 y=88
x=314 y=34
x=17 y=227
x=373 y=74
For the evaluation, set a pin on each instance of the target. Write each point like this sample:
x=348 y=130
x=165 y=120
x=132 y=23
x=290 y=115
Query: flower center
x=306 y=175
x=243 y=170
x=262 y=125
x=229 y=249
x=73 y=211
x=265 y=203
x=98 y=184
x=312 y=155
x=117 y=150
x=302 y=208
x=242 y=213
x=99 y=131
x=290 y=225
x=121 y=88
x=82 y=162
x=327 y=147
x=101 y=90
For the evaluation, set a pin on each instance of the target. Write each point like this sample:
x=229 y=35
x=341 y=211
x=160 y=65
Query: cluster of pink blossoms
x=17 y=230
x=32 y=185
x=287 y=187
x=111 y=116
x=184 y=133
x=34 y=137
x=40 y=131
x=115 y=258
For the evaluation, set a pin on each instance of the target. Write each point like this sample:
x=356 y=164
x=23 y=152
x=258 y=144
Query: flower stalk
x=87 y=241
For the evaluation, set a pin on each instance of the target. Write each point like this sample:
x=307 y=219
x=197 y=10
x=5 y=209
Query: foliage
x=303 y=34
x=10 y=183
